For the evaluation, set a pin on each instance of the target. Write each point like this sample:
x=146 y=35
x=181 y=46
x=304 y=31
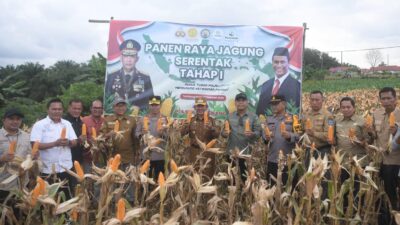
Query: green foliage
x=341 y=85
x=85 y=91
x=252 y=92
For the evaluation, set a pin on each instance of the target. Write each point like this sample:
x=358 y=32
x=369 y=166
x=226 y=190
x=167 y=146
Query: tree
x=374 y=57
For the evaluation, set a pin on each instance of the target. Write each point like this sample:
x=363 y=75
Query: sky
x=46 y=31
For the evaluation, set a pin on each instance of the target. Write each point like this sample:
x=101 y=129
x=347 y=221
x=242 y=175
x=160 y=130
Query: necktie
x=276 y=87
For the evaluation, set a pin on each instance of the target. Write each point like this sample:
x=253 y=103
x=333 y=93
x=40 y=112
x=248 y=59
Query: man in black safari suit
x=128 y=82
x=282 y=84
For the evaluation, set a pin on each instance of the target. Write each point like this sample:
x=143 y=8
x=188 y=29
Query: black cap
x=241 y=96
x=281 y=51
x=277 y=98
x=13 y=112
x=154 y=100
x=129 y=47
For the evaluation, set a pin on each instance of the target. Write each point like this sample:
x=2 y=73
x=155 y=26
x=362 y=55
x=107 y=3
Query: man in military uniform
x=279 y=139
x=126 y=146
x=346 y=121
x=205 y=132
x=157 y=128
x=381 y=130
x=128 y=82
x=347 y=125
x=320 y=119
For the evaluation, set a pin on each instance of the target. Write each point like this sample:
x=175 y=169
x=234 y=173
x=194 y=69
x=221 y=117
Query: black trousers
x=54 y=178
x=156 y=166
x=390 y=176
x=272 y=170
x=242 y=166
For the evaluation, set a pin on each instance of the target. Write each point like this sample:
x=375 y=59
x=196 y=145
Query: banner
x=182 y=61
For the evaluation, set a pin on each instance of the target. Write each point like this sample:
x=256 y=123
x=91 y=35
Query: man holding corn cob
x=320 y=120
x=126 y=146
x=119 y=128
x=244 y=129
x=75 y=107
x=383 y=129
x=154 y=124
x=14 y=144
x=56 y=137
x=279 y=135
x=203 y=127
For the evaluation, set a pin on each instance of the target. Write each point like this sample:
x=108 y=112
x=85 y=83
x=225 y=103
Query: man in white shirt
x=55 y=150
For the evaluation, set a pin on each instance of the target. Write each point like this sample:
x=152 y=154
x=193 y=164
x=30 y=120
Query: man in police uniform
x=320 y=119
x=157 y=159
x=284 y=140
x=381 y=131
x=205 y=132
x=128 y=82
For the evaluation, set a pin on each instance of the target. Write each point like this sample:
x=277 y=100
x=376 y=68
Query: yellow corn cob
x=145 y=123
x=42 y=185
x=161 y=179
x=330 y=133
x=174 y=167
x=282 y=127
x=391 y=119
x=116 y=126
x=227 y=127
x=166 y=107
x=211 y=143
x=121 y=209
x=74 y=215
x=78 y=170
x=205 y=115
x=368 y=121
x=84 y=129
x=308 y=124
x=63 y=133
x=231 y=106
x=11 y=147
x=115 y=163
x=189 y=116
x=145 y=167
x=94 y=133
x=247 y=125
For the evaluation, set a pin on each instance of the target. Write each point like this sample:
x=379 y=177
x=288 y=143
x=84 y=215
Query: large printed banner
x=182 y=61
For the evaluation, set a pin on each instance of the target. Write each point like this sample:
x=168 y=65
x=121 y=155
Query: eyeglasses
x=97 y=107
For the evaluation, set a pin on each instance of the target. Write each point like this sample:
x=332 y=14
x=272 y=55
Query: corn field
x=185 y=195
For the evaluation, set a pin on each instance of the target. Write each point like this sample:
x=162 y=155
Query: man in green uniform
x=204 y=131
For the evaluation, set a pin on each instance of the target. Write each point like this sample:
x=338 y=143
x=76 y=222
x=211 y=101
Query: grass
x=342 y=85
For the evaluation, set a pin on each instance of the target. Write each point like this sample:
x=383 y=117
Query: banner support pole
x=302 y=67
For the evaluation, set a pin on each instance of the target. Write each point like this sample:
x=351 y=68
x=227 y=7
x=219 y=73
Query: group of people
x=61 y=141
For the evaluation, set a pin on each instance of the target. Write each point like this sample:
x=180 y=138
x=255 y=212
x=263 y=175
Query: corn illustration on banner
x=182 y=61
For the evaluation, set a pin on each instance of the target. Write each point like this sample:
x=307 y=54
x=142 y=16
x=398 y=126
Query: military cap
x=275 y=99
x=119 y=100
x=154 y=100
x=13 y=112
x=129 y=47
x=200 y=101
x=241 y=96
x=281 y=51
